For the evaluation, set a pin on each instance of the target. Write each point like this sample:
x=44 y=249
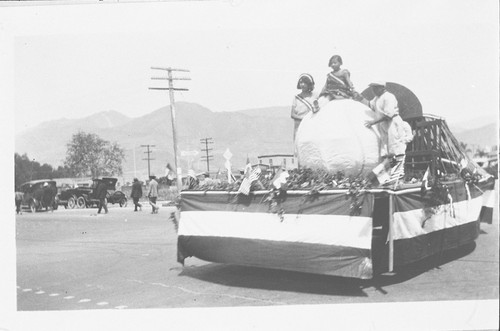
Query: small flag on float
x=191 y=180
x=425 y=181
x=380 y=171
x=398 y=171
x=246 y=184
x=280 y=178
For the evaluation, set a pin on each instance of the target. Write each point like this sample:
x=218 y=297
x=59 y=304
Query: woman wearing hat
x=393 y=130
x=303 y=102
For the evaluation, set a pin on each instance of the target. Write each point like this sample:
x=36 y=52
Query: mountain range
x=246 y=133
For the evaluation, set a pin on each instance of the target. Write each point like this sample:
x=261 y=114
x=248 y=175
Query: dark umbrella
x=408 y=103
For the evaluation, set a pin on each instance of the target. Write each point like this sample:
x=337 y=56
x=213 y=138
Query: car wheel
x=71 y=202
x=80 y=202
x=33 y=206
x=123 y=202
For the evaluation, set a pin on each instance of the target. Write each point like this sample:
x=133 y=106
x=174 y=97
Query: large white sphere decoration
x=336 y=139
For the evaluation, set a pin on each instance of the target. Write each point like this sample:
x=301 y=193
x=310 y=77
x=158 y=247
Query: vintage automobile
x=84 y=196
x=39 y=195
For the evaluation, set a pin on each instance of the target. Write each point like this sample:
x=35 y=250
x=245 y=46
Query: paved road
x=76 y=259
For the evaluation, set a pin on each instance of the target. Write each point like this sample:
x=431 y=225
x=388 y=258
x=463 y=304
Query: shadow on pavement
x=405 y=273
x=282 y=280
x=276 y=280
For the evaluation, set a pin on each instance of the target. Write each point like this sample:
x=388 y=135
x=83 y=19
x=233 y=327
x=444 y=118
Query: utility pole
x=171 y=90
x=135 y=167
x=148 y=158
x=207 y=157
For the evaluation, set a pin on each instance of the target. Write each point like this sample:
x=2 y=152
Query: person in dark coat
x=136 y=193
x=19 y=200
x=48 y=196
x=100 y=193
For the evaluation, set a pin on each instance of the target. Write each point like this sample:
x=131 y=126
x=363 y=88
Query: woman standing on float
x=303 y=102
x=394 y=132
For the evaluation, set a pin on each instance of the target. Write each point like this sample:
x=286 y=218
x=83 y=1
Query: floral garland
x=299 y=179
x=304 y=179
x=275 y=198
x=314 y=181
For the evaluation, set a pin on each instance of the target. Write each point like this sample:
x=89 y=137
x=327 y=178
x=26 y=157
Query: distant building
x=275 y=161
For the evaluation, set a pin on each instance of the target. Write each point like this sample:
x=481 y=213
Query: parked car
x=117 y=197
x=83 y=197
x=39 y=194
x=73 y=197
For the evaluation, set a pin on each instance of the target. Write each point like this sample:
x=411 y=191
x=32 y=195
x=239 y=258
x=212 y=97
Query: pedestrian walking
x=19 y=199
x=101 y=192
x=136 y=194
x=153 y=193
x=48 y=197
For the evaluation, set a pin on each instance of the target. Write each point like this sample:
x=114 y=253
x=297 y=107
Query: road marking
x=19 y=287
x=217 y=294
x=54 y=295
x=84 y=300
x=104 y=303
x=121 y=307
x=177 y=287
x=27 y=290
x=68 y=297
x=136 y=281
x=40 y=292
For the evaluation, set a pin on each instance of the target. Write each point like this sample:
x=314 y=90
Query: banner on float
x=300 y=232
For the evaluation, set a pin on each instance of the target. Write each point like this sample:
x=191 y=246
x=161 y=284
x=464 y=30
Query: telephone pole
x=207 y=157
x=171 y=90
x=148 y=158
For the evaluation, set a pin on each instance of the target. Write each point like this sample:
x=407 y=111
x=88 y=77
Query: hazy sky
x=72 y=61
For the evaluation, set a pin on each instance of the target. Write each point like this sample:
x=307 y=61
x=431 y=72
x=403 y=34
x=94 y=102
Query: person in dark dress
x=100 y=194
x=136 y=194
x=48 y=196
x=338 y=84
x=19 y=200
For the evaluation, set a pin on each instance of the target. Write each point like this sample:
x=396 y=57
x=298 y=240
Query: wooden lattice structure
x=434 y=147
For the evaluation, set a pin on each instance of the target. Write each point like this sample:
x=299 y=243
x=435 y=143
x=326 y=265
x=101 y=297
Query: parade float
x=329 y=217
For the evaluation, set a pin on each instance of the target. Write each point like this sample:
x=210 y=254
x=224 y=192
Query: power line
x=149 y=156
x=207 y=157
x=171 y=90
